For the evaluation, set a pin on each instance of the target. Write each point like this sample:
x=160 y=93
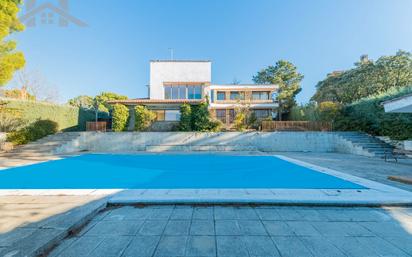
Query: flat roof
x=180 y=61
x=157 y=101
x=397 y=98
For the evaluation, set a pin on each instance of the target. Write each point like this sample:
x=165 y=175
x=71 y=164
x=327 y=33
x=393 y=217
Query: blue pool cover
x=109 y=171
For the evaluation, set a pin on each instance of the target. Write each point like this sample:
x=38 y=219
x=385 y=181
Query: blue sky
x=239 y=36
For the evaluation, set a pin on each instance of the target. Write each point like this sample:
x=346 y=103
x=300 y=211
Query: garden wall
x=68 y=118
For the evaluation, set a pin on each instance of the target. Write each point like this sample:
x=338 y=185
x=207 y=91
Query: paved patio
x=374 y=169
x=243 y=231
x=27 y=222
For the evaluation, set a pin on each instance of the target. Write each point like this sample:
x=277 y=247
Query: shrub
x=185 y=123
x=144 y=118
x=239 y=122
x=200 y=117
x=368 y=115
x=35 y=131
x=120 y=117
x=329 y=111
x=197 y=118
x=252 y=121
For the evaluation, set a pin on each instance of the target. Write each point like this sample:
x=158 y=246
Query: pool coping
x=376 y=194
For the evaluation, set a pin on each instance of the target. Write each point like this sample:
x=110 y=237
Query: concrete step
x=202 y=148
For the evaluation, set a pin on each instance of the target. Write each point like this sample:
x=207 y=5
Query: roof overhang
x=399 y=105
x=257 y=87
x=156 y=101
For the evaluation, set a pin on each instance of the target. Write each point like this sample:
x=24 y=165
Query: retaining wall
x=221 y=141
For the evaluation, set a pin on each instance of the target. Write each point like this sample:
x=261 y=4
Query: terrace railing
x=296 y=126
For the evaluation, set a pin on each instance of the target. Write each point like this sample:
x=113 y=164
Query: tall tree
x=366 y=78
x=286 y=76
x=102 y=100
x=10 y=59
x=82 y=101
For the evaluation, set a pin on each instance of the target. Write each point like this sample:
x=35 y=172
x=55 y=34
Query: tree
x=103 y=99
x=18 y=94
x=285 y=75
x=366 y=78
x=82 y=101
x=10 y=60
x=37 y=85
x=185 y=123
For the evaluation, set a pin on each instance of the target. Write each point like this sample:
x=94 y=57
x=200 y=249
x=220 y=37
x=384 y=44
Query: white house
x=175 y=82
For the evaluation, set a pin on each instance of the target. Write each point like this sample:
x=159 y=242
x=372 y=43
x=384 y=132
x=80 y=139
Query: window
x=257 y=95
x=221 y=115
x=183 y=92
x=175 y=92
x=232 y=115
x=236 y=95
x=160 y=115
x=168 y=92
x=261 y=114
x=194 y=92
x=172 y=115
x=221 y=96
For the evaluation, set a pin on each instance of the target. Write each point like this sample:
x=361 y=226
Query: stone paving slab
x=225 y=231
x=29 y=229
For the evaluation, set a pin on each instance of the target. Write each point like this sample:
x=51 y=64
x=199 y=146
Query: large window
x=221 y=115
x=172 y=115
x=260 y=95
x=262 y=114
x=221 y=96
x=237 y=95
x=183 y=92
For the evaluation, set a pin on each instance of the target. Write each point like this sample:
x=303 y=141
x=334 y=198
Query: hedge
x=67 y=118
x=368 y=115
x=33 y=132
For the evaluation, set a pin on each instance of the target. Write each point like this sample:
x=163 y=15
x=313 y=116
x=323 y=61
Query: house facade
x=175 y=82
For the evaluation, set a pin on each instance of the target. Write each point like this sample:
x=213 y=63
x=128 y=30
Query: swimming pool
x=167 y=171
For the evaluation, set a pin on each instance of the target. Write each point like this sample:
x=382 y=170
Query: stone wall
x=220 y=141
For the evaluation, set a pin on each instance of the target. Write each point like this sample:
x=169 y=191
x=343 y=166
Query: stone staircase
x=372 y=145
x=44 y=146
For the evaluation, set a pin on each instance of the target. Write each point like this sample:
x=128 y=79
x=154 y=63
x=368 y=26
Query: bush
x=33 y=132
x=120 y=117
x=200 y=118
x=368 y=115
x=144 y=118
x=197 y=118
x=329 y=111
x=185 y=123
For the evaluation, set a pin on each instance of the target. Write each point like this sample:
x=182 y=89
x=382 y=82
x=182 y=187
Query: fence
x=296 y=126
x=96 y=126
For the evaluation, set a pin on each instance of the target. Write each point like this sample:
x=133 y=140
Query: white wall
x=177 y=71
